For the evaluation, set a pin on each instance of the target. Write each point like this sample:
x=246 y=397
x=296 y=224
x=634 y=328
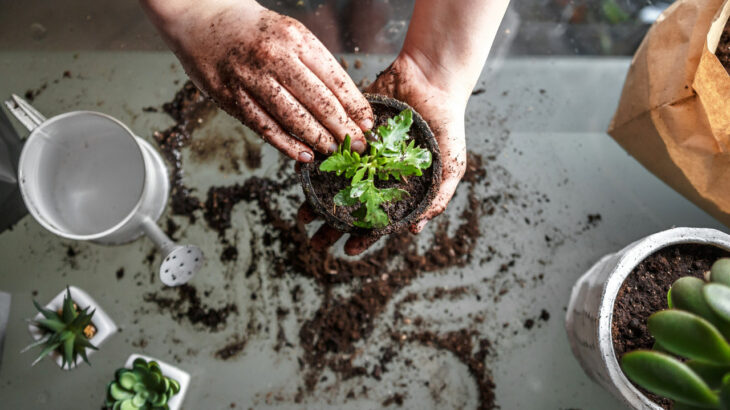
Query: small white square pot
x=105 y=327
x=168 y=370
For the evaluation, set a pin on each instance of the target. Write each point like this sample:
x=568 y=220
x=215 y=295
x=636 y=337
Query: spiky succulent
x=696 y=328
x=63 y=331
x=141 y=387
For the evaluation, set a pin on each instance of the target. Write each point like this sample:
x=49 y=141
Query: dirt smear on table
x=331 y=338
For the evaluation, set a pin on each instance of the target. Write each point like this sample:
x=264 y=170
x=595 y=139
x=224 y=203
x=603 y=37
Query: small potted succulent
x=696 y=329
x=69 y=328
x=386 y=188
x=145 y=383
x=611 y=306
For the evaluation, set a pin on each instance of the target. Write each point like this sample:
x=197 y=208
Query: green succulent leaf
x=689 y=335
x=718 y=299
x=47 y=313
x=668 y=377
x=687 y=294
x=725 y=393
x=720 y=271
x=712 y=374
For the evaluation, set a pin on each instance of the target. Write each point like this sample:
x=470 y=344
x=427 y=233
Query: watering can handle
x=24 y=112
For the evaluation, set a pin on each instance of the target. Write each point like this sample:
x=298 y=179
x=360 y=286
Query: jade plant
x=141 y=387
x=66 y=331
x=690 y=360
x=390 y=156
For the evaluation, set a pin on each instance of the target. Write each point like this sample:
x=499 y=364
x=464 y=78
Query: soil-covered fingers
x=256 y=118
x=311 y=92
x=325 y=237
x=288 y=111
x=306 y=214
x=323 y=64
x=356 y=245
x=453 y=170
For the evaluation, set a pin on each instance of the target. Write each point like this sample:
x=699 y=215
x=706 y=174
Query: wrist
x=451 y=82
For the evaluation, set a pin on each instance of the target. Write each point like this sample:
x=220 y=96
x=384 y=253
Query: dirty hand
x=268 y=71
x=443 y=110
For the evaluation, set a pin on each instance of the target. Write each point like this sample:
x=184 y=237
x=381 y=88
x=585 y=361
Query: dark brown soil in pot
x=645 y=291
x=320 y=187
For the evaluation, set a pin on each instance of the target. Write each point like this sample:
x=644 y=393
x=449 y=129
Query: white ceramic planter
x=590 y=312
x=168 y=370
x=105 y=327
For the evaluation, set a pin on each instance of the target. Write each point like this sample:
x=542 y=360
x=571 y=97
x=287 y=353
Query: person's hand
x=442 y=106
x=268 y=71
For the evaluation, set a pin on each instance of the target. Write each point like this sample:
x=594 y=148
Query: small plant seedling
x=64 y=331
x=391 y=155
x=690 y=360
x=141 y=387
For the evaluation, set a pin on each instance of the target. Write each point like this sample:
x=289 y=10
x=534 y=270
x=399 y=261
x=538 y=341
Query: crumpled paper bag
x=674 y=112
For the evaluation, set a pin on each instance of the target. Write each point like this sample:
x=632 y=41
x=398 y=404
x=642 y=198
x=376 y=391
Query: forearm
x=450 y=40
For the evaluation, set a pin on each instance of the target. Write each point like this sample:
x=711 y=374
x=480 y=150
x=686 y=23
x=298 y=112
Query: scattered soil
x=187 y=305
x=396 y=398
x=232 y=349
x=478 y=91
x=330 y=338
x=723 y=48
x=327 y=184
x=645 y=291
x=459 y=343
x=229 y=254
x=120 y=273
x=190 y=108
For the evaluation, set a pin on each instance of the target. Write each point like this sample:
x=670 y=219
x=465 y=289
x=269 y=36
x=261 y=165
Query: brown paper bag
x=674 y=113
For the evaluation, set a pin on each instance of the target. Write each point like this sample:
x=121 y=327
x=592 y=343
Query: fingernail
x=358 y=146
x=333 y=147
x=304 y=156
x=366 y=124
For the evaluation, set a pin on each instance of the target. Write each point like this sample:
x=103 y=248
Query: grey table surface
x=542 y=119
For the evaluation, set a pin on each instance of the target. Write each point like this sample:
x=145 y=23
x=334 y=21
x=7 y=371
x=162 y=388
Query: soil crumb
x=186 y=305
x=120 y=273
x=645 y=291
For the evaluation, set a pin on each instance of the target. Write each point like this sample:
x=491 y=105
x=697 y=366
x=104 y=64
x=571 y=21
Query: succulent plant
x=64 y=331
x=690 y=360
x=141 y=387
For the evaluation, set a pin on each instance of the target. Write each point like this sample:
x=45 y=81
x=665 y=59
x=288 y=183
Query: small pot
x=168 y=370
x=426 y=139
x=105 y=327
x=590 y=311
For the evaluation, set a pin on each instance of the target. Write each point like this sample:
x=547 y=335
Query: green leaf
x=710 y=373
x=718 y=298
x=343 y=198
x=52 y=325
x=393 y=194
x=47 y=313
x=687 y=294
x=690 y=336
x=358 y=175
x=68 y=313
x=118 y=393
x=340 y=162
x=720 y=271
x=395 y=131
x=668 y=377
